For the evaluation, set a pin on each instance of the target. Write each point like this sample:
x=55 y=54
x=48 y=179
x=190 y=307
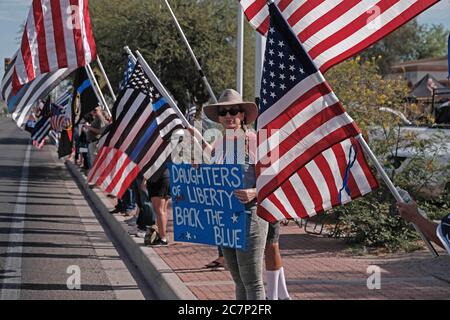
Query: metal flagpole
x=259 y=60
x=392 y=188
x=96 y=87
x=240 y=51
x=130 y=54
x=199 y=68
x=113 y=95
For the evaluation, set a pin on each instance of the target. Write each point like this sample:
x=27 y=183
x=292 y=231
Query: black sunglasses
x=233 y=111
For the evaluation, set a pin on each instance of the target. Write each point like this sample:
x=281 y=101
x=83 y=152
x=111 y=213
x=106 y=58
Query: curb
x=163 y=281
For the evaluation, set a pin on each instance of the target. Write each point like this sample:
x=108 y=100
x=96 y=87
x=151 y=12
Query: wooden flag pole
x=97 y=90
x=108 y=83
x=199 y=68
x=392 y=188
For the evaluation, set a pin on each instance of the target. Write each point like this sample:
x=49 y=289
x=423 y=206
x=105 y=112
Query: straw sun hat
x=231 y=98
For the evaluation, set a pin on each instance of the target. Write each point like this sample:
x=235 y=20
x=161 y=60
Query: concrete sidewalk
x=316 y=267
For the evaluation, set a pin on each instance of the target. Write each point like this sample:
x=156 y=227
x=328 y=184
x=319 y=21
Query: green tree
x=210 y=27
x=372 y=220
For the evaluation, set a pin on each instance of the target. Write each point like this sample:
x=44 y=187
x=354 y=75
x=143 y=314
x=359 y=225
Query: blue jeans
x=129 y=200
x=246 y=267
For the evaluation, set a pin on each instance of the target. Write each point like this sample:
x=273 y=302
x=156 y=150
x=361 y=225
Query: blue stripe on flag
x=161 y=102
x=148 y=134
x=12 y=102
x=86 y=84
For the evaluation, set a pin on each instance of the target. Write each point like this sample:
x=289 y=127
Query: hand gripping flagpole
x=392 y=189
x=381 y=170
x=108 y=83
x=96 y=87
x=199 y=68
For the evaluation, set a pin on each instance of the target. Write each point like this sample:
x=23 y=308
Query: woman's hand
x=408 y=211
x=245 y=195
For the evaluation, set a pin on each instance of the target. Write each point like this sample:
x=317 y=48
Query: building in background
x=416 y=70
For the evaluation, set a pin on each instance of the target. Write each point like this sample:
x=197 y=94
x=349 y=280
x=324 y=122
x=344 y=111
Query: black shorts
x=160 y=188
x=273 y=235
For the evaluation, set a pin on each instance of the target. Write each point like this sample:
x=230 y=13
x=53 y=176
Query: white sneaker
x=140 y=234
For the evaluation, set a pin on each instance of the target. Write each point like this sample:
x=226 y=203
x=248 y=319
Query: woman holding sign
x=234 y=114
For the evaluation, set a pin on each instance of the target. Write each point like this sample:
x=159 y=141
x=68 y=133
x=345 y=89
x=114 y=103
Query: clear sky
x=13 y=13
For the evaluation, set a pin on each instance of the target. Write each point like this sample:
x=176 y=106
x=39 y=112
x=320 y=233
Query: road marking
x=11 y=284
x=122 y=282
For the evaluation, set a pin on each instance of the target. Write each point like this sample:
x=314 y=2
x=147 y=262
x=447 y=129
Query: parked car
x=438 y=138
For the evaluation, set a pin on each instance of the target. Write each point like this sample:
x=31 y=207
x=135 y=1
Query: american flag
x=122 y=86
x=127 y=73
x=57 y=34
x=60 y=119
x=43 y=126
x=333 y=31
x=20 y=104
x=40 y=132
x=139 y=140
x=190 y=114
x=308 y=160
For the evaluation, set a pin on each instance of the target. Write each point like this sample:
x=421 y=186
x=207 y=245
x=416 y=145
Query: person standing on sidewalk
x=276 y=282
x=94 y=131
x=159 y=192
x=245 y=266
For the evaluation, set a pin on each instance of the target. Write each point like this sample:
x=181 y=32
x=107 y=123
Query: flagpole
x=199 y=68
x=108 y=83
x=96 y=87
x=130 y=54
x=259 y=60
x=240 y=51
x=392 y=188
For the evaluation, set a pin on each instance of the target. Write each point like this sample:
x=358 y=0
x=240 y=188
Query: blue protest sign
x=205 y=209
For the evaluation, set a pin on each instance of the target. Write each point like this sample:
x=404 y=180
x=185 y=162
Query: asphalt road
x=52 y=246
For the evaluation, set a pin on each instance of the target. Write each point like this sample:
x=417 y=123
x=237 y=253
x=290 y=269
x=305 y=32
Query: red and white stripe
x=304 y=122
x=58 y=34
x=332 y=30
x=315 y=187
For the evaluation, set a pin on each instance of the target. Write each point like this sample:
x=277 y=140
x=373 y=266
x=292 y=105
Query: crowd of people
x=87 y=134
x=146 y=202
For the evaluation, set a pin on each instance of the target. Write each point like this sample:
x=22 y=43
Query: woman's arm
x=410 y=213
x=198 y=135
